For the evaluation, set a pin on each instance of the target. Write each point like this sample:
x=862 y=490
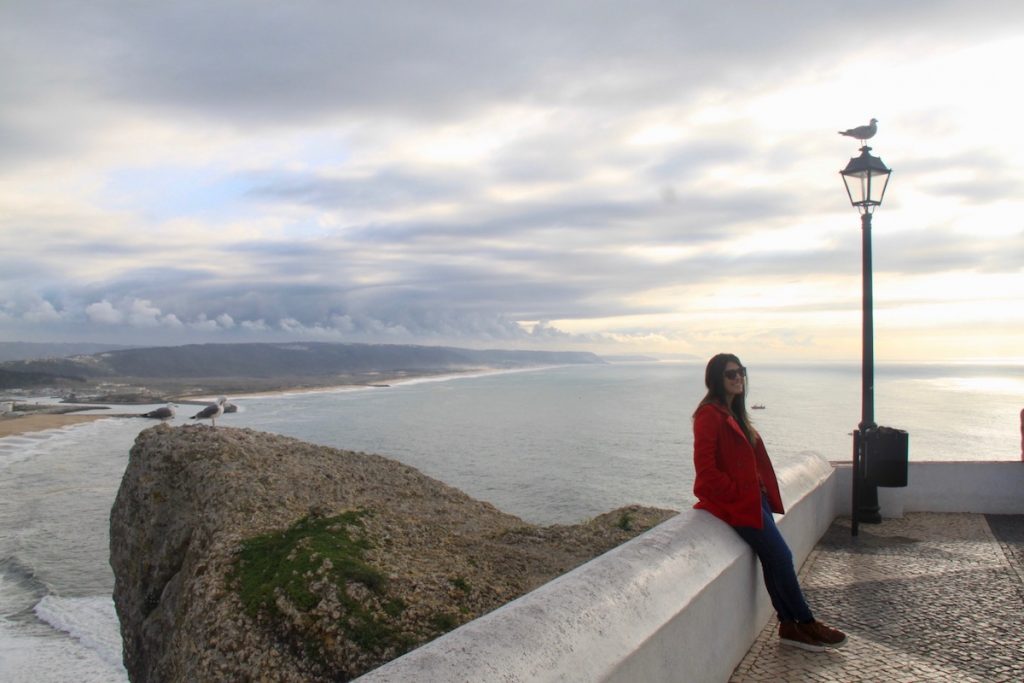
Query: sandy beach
x=21 y=423
x=11 y=426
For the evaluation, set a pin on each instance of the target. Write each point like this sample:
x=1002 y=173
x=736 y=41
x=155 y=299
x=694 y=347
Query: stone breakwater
x=241 y=555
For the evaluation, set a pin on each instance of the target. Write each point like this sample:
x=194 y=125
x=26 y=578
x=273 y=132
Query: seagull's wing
x=862 y=132
x=207 y=412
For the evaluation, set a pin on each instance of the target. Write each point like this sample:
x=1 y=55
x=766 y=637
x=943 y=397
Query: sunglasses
x=733 y=374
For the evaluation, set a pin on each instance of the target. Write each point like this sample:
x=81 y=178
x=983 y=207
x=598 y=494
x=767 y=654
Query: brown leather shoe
x=791 y=634
x=826 y=635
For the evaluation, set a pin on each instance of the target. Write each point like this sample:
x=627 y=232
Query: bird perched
x=211 y=412
x=862 y=133
x=165 y=413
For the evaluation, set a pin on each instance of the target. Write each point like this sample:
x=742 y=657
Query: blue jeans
x=777 y=566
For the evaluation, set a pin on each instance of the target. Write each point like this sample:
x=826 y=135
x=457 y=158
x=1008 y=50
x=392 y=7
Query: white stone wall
x=988 y=487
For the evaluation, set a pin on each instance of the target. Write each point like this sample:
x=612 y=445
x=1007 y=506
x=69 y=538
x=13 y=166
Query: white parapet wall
x=988 y=487
x=682 y=602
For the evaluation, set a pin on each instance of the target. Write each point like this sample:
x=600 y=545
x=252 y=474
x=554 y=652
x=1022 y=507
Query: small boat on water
x=757 y=406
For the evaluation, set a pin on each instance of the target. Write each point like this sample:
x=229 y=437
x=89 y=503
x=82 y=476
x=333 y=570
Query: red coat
x=727 y=467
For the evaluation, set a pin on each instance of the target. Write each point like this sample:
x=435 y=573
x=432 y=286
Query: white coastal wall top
x=798 y=479
x=585 y=624
x=604 y=608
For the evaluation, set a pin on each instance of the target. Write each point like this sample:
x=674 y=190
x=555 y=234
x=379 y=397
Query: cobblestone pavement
x=929 y=597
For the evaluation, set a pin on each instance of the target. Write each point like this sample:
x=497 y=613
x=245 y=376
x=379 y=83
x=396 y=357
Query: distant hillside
x=24 y=380
x=286 y=360
x=34 y=351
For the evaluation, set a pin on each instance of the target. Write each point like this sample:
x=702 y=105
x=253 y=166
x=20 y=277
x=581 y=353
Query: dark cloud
x=976 y=176
x=940 y=250
x=383 y=189
x=316 y=60
x=408 y=276
x=683 y=163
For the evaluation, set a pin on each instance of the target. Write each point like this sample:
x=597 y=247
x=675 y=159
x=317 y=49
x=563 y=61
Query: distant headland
x=155 y=374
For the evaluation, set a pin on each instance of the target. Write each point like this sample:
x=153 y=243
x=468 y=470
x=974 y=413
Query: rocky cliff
x=240 y=555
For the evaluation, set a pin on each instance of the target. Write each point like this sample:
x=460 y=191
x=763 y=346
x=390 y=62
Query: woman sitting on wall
x=735 y=482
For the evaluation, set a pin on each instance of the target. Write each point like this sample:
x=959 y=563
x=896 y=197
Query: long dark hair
x=714 y=380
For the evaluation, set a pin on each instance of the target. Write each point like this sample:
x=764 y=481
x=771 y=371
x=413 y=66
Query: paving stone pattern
x=929 y=597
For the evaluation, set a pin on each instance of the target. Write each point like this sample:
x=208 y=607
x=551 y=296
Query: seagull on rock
x=862 y=133
x=165 y=413
x=211 y=412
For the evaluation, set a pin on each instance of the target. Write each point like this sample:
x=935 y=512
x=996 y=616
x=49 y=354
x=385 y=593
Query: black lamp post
x=866 y=178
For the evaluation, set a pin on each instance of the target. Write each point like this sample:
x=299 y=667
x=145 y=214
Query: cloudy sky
x=641 y=177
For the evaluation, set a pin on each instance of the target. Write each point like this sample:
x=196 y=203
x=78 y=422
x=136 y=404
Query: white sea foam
x=92 y=621
x=21 y=447
x=294 y=393
x=412 y=381
x=400 y=382
x=39 y=654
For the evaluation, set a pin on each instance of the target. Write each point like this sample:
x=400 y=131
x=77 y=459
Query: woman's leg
x=777 y=567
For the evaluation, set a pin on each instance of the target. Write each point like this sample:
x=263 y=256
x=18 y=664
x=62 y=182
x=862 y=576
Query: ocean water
x=57 y=620
x=556 y=445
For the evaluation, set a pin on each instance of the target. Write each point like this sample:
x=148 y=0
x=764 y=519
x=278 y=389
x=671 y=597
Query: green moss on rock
x=317 y=568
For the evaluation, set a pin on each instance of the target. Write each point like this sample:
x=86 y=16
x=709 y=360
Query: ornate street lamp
x=866 y=178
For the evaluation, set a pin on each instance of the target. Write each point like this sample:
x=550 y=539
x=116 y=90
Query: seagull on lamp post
x=862 y=133
x=211 y=412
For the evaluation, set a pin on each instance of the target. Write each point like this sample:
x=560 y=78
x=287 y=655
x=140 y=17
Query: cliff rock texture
x=246 y=556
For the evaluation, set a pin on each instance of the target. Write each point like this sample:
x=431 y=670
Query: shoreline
x=384 y=382
x=26 y=424
x=17 y=425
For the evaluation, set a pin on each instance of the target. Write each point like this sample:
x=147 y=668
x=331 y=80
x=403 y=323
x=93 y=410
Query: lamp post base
x=868 y=510
x=864 y=496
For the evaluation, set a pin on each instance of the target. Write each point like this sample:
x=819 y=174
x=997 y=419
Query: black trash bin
x=887 y=456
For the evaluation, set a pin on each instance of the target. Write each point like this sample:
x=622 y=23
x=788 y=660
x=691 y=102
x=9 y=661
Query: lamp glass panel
x=881 y=182
x=856 y=186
